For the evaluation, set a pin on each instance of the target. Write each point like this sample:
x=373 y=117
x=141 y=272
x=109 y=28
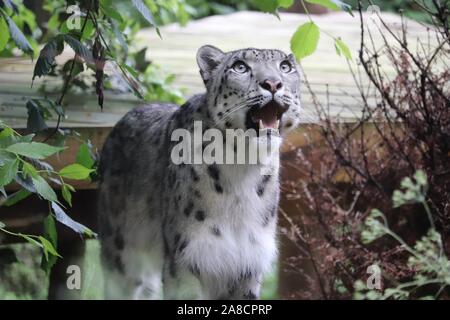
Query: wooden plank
x=176 y=54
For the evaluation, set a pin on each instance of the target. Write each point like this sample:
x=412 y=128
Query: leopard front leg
x=244 y=288
x=179 y=282
x=247 y=288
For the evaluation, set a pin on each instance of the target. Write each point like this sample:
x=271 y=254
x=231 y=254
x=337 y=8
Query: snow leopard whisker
x=242 y=104
x=227 y=115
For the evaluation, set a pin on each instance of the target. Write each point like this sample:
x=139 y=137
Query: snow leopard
x=198 y=230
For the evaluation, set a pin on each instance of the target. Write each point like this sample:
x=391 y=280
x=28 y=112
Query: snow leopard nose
x=272 y=85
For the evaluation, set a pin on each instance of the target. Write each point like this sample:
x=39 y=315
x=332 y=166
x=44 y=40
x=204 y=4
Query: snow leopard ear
x=208 y=58
x=291 y=58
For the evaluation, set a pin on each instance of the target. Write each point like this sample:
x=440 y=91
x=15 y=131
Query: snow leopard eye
x=285 y=67
x=240 y=67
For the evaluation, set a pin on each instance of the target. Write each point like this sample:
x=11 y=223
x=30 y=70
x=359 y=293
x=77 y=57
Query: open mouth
x=266 y=117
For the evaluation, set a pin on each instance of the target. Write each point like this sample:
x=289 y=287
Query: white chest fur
x=236 y=236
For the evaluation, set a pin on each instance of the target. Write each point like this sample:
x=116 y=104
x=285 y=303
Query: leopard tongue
x=268 y=117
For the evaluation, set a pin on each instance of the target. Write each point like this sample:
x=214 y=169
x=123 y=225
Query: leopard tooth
x=278 y=125
x=261 y=125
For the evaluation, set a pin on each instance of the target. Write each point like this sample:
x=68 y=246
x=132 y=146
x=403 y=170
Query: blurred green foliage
x=20 y=273
x=427 y=256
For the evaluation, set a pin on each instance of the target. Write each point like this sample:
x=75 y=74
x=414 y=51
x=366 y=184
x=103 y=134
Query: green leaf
x=285 y=3
x=6 y=132
x=79 y=48
x=25 y=182
x=16 y=197
x=44 y=189
x=305 y=39
x=53 y=48
x=421 y=178
x=75 y=171
x=29 y=170
x=4 y=33
x=35 y=120
x=341 y=47
x=84 y=156
x=51 y=235
x=63 y=218
x=66 y=191
x=112 y=13
x=30 y=240
x=120 y=37
x=131 y=70
x=53 y=22
x=335 y=5
x=78 y=67
x=17 y=35
x=8 y=171
x=63 y=28
x=146 y=13
x=57 y=107
x=7 y=140
x=141 y=62
x=35 y=150
x=106 y=3
x=5 y=156
x=50 y=230
x=46 y=61
x=128 y=77
x=270 y=6
x=48 y=247
x=89 y=29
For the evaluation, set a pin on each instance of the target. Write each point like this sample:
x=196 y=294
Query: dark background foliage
x=353 y=168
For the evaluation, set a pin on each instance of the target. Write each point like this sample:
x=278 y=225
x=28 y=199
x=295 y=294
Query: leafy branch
x=47 y=58
x=426 y=256
x=305 y=39
x=22 y=162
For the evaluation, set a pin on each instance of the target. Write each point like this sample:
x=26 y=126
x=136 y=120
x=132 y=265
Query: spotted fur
x=194 y=231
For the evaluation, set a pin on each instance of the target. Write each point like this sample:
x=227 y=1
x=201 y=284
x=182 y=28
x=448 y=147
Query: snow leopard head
x=251 y=88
